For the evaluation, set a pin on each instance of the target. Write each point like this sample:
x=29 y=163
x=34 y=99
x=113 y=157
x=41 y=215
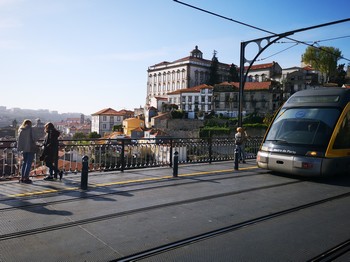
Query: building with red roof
x=181 y=74
x=103 y=121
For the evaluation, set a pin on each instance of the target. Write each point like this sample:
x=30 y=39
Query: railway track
x=151 y=251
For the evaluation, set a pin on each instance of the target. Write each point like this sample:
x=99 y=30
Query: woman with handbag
x=50 y=152
x=27 y=146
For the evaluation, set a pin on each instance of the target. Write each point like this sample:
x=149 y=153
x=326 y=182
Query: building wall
x=200 y=100
x=103 y=124
x=131 y=124
x=185 y=73
x=95 y=124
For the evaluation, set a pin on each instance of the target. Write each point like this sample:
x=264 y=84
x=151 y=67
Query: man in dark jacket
x=50 y=152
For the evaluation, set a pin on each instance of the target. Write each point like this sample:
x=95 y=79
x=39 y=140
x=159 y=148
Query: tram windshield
x=303 y=126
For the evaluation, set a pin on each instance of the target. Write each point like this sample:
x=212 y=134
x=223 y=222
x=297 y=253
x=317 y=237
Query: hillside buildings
x=181 y=74
x=182 y=84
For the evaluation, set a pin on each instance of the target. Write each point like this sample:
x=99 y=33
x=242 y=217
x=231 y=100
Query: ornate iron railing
x=121 y=154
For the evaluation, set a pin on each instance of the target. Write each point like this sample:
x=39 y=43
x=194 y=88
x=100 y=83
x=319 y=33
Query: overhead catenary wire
x=266 y=31
x=290 y=42
x=317 y=41
x=261 y=59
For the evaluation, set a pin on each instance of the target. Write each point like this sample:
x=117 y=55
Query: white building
x=300 y=78
x=264 y=72
x=103 y=121
x=183 y=73
x=192 y=100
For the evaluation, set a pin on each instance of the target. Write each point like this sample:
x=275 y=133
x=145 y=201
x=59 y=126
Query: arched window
x=168 y=76
x=256 y=78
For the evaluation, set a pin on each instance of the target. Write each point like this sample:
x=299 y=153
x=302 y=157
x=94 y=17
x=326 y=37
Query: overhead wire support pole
x=243 y=75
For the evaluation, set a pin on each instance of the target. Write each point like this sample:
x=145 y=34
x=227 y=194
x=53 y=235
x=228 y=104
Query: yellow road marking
x=127 y=182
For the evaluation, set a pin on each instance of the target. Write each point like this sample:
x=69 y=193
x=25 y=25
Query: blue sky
x=86 y=55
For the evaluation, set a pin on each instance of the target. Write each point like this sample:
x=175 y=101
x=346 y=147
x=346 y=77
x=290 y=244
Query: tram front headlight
x=264 y=148
x=314 y=154
x=262 y=157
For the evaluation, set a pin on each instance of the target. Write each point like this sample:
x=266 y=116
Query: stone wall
x=180 y=127
x=185 y=128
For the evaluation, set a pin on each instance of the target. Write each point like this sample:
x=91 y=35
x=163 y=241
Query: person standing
x=240 y=138
x=50 y=152
x=27 y=146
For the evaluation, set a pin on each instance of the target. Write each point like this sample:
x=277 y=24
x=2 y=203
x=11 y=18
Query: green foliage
x=213 y=74
x=79 y=135
x=93 y=135
x=255 y=125
x=227 y=126
x=234 y=76
x=323 y=59
x=169 y=107
x=177 y=114
x=117 y=128
x=210 y=131
x=340 y=76
x=252 y=118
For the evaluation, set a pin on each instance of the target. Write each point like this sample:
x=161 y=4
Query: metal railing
x=121 y=154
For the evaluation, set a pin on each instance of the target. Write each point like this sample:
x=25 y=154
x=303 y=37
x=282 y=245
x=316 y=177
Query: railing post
x=236 y=158
x=84 y=173
x=176 y=164
x=122 y=156
x=171 y=153
x=210 y=140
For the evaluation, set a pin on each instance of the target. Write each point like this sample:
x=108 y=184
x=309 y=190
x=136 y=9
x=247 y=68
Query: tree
x=79 y=135
x=340 y=76
x=233 y=76
x=117 y=128
x=323 y=59
x=94 y=135
x=213 y=74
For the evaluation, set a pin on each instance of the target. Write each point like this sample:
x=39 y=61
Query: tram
x=309 y=135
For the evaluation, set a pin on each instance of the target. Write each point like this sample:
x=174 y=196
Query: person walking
x=27 y=146
x=50 y=151
x=240 y=138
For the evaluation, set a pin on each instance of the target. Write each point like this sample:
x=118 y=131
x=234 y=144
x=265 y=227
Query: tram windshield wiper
x=279 y=141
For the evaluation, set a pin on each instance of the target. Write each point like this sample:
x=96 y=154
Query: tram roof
x=328 y=96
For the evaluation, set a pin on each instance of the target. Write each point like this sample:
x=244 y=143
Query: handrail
x=125 y=153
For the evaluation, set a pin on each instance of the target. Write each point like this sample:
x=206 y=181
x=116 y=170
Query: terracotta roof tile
x=260 y=66
x=194 y=89
x=107 y=111
x=249 y=85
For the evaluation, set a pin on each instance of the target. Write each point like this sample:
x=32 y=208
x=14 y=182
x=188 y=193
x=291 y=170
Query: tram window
x=314 y=99
x=342 y=141
x=303 y=126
